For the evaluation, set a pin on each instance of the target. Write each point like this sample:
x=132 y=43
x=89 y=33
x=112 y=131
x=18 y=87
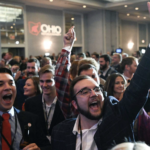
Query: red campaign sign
x=34 y=28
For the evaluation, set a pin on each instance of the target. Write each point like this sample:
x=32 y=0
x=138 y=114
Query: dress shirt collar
x=11 y=112
x=53 y=104
x=104 y=72
x=76 y=130
x=125 y=77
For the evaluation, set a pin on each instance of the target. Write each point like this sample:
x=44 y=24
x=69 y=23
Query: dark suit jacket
x=35 y=106
x=36 y=134
x=20 y=98
x=117 y=118
x=109 y=72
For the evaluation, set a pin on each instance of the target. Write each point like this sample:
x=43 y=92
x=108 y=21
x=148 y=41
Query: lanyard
x=47 y=116
x=80 y=133
x=10 y=146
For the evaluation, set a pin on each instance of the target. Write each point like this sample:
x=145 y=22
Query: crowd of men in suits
x=72 y=112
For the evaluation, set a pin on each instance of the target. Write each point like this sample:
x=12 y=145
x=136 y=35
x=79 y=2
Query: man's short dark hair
x=81 y=55
x=3 y=55
x=96 y=54
x=10 y=53
x=34 y=60
x=127 y=61
x=73 y=83
x=106 y=58
x=86 y=67
x=5 y=70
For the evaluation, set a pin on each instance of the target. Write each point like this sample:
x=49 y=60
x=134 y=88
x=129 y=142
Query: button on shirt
x=88 y=142
x=17 y=138
x=50 y=108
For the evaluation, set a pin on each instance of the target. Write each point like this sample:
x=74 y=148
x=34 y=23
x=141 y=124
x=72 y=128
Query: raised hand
x=69 y=37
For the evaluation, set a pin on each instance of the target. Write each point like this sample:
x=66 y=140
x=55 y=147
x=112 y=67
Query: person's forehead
x=115 y=56
x=46 y=76
x=31 y=64
x=119 y=78
x=102 y=59
x=89 y=83
x=29 y=81
x=88 y=72
x=5 y=77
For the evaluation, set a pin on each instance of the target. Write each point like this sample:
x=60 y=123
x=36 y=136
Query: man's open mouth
x=94 y=105
x=7 y=97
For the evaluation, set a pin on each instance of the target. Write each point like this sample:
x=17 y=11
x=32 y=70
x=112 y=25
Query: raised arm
x=135 y=95
x=62 y=74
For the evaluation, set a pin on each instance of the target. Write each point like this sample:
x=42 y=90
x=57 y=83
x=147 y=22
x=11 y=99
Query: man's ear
x=126 y=67
x=39 y=69
x=74 y=103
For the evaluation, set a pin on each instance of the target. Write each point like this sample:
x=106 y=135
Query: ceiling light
x=144 y=17
x=72 y=18
x=136 y=8
x=128 y=14
x=143 y=41
x=51 y=0
x=130 y=45
x=14 y=24
x=47 y=44
x=11 y=27
x=17 y=42
x=138 y=16
x=84 y=6
x=143 y=51
x=125 y=5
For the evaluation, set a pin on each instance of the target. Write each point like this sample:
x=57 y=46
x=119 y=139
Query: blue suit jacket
x=118 y=117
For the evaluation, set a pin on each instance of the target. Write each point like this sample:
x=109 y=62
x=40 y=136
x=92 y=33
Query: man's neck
x=87 y=123
x=48 y=99
x=106 y=69
x=127 y=74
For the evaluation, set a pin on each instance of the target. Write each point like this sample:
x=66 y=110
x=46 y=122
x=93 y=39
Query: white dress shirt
x=125 y=77
x=49 y=111
x=88 y=142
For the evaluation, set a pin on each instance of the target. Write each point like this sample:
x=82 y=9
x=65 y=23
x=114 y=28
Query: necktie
x=6 y=131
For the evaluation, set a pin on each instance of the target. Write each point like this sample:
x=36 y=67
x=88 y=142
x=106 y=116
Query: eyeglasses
x=86 y=91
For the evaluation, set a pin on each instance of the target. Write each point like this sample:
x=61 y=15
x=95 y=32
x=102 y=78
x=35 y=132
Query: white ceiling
x=92 y=5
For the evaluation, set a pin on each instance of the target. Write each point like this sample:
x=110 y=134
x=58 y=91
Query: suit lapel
x=20 y=119
x=70 y=137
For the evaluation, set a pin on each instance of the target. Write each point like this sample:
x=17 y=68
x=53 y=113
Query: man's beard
x=30 y=74
x=88 y=115
x=103 y=67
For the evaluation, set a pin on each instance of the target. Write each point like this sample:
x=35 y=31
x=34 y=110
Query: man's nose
x=7 y=86
x=93 y=93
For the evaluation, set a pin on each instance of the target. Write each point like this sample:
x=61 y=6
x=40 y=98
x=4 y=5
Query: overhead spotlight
x=14 y=24
x=51 y=0
x=144 y=17
x=138 y=16
x=72 y=18
x=84 y=6
x=128 y=14
x=11 y=27
x=136 y=8
x=125 y=5
x=143 y=41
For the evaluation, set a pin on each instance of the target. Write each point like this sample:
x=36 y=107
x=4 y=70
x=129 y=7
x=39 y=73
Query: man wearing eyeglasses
x=102 y=123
